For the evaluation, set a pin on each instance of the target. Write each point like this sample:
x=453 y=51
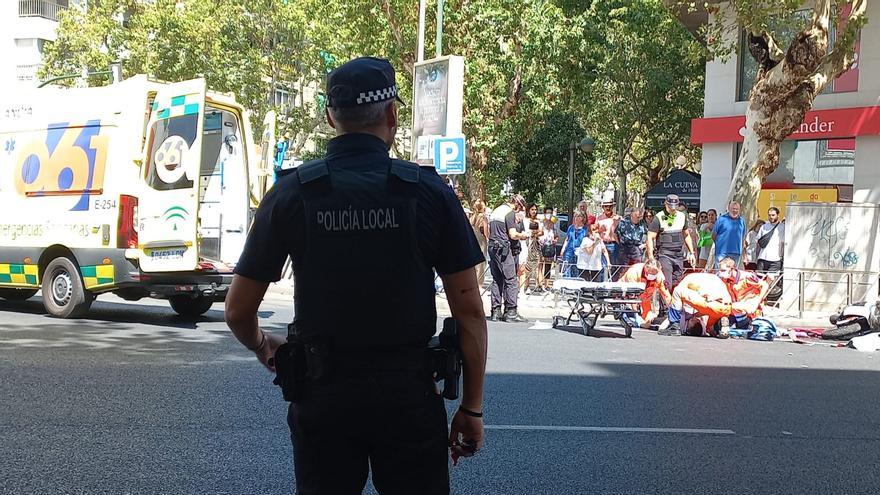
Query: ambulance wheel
x=191 y=307
x=17 y=294
x=64 y=295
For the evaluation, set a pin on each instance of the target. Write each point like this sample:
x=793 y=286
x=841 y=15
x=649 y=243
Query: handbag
x=765 y=239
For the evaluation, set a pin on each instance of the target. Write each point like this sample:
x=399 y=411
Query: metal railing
x=805 y=278
x=46 y=9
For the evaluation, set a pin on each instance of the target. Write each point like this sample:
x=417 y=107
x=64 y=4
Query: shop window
x=785 y=32
x=820 y=162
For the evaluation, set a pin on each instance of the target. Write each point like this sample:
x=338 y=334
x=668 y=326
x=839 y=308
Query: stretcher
x=589 y=301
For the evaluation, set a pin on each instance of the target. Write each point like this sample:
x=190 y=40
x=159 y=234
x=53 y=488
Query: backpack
x=763 y=329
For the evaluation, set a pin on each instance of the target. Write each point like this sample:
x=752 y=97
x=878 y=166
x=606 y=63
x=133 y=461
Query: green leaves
x=538 y=72
x=244 y=47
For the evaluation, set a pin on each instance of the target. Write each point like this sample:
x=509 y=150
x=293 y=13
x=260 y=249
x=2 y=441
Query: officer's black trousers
x=673 y=269
x=505 y=285
x=390 y=422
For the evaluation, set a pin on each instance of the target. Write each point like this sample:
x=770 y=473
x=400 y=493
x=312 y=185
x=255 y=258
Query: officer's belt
x=379 y=359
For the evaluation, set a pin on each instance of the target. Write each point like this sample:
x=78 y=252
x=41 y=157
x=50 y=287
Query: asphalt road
x=134 y=400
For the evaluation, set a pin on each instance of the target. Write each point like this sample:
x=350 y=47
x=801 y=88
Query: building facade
x=834 y=154
x=25 y=26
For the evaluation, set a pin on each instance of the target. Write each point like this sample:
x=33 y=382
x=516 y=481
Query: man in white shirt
x=771 y=242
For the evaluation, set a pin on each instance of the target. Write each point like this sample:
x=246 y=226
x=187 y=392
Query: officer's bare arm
x=242 y=303
x=517 y=235
x=688 y=242
x=463 y=294
x=649 y=251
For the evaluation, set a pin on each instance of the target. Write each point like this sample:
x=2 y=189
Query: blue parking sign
x=449 y=155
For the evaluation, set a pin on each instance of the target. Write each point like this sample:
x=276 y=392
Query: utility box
x=832 y=255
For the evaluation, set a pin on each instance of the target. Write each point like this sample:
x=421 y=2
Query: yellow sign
x=780 y=197
x=65 y=159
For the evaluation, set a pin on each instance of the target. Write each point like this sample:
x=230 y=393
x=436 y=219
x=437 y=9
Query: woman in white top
x=590 y=254
x=547 y=246
x=752 y=245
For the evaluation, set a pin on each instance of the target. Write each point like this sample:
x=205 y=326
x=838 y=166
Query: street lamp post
x=586 y=145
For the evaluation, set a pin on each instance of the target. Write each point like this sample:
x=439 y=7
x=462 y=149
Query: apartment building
x=25 y=26
x=833 y=156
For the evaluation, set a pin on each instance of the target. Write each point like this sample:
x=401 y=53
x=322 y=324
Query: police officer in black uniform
x=364 y=233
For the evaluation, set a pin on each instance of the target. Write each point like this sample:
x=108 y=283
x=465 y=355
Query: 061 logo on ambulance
x=68 y=160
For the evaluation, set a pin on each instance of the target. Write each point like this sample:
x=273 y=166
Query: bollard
x=849 y=289
x=801 y=294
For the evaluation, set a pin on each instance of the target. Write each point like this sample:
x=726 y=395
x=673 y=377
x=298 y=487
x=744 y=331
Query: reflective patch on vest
x=670 y=240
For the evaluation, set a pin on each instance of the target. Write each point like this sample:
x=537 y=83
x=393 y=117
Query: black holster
x=296 y=361
x=445 y=358
x=499 y=249
x=290 y=370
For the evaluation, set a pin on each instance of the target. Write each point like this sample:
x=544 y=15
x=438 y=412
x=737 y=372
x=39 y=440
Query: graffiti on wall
x=828 y=242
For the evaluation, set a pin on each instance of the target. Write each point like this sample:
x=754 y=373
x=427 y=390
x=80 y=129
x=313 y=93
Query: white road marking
x=612 y=429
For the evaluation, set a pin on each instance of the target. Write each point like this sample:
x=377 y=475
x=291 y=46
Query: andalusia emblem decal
x=176 y=215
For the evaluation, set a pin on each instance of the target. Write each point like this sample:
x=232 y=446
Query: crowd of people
x=521 y=241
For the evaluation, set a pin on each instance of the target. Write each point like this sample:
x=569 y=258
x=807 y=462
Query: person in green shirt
x=704 y=242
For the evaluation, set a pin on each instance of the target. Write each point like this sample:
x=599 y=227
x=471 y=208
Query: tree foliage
x=541 y=162
x=648 y=84
x=539 y=74
x=249 y=48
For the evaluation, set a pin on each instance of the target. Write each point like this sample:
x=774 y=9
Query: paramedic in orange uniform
x=699 y=295
x=747 y=291
x=651 y=276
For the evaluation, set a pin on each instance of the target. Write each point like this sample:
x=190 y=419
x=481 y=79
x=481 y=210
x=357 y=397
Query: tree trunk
x=621 y=182
x=778 y=104
x=783 y=93
x=476 y=163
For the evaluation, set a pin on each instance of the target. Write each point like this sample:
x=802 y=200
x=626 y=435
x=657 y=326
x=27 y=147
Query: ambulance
x=140 y=188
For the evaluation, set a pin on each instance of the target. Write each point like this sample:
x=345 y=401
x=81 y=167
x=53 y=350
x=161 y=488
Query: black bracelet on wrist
x=262 y=341
x=470 y=413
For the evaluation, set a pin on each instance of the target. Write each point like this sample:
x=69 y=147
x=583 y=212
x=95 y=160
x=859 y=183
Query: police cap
x=361 y=81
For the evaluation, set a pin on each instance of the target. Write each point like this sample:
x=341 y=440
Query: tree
x=541 y=167
x=647 y=85
x=788 y=80
x=512 y=52
x=251 y=49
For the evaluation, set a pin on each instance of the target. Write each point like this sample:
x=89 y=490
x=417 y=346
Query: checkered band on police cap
x=377 y=96
x=361 y=81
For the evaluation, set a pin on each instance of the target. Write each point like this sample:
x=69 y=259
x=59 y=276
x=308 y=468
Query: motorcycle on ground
x=854 y=320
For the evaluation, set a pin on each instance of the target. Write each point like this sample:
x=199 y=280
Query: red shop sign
x=818 y=124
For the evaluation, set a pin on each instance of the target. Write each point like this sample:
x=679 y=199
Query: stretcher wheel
x=557 y=321
x=589 y=323
x=627 y=328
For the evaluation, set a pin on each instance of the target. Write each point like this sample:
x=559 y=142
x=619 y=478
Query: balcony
x=47 y=9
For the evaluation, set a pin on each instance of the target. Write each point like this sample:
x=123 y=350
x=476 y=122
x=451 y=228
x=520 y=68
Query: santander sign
x=818 y=124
